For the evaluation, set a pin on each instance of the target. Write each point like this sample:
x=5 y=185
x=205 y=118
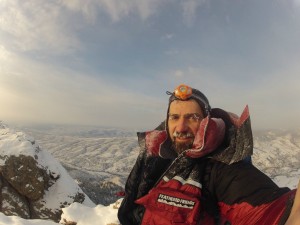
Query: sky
x=110 y=62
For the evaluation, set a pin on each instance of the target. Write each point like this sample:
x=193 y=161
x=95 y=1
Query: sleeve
x=130 y=213
x=245 y=195
x=144 y=175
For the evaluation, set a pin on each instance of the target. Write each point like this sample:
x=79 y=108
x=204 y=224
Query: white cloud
x=167 y=36
x=53 y=27
x=36 y=28
x=297 y=2
x=35 y=25
x=87 y=8
x=35 y=92
x=178 y=73
x=114 y=8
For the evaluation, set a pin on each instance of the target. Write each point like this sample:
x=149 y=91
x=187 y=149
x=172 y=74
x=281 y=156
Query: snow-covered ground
x=83 y=215
x=107 y=155
x=277 y=153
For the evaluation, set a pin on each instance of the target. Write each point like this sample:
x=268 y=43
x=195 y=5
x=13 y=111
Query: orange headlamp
x=183 y=92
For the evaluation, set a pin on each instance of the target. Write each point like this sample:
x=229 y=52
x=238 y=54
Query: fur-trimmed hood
x=222 y=135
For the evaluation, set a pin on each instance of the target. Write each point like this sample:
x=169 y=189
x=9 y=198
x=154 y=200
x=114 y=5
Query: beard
x=179 y=147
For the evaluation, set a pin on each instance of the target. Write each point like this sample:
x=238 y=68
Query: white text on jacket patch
x=174 y=201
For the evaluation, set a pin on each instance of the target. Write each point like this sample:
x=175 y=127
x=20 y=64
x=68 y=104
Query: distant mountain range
x=277 y=153
x=100 y=158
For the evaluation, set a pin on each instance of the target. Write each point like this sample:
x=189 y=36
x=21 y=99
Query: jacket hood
x=222 y=135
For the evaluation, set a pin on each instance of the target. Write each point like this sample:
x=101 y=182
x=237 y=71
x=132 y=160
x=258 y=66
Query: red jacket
x=176 y=199
x=208 y=184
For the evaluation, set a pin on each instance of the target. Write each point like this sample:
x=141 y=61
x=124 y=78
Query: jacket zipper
x=169 y=167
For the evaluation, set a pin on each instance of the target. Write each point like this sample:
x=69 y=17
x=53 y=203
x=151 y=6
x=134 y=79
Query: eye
x=194 y=117
x=173 y=117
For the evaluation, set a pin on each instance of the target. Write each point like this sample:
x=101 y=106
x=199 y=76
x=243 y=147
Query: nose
x=182 y=125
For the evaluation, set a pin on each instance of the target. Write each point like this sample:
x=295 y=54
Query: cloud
x=87 y=8
x=34 y=25
x=178 y=73
x=114 y=8
x=118 y=10
x=273 y=98
x=297 y=2
x=167 y=36
x=190 y=10
x=67 y=60
x=54 y=27
x=43 y=93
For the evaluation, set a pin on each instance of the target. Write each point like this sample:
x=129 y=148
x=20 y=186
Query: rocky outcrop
x=33 y=185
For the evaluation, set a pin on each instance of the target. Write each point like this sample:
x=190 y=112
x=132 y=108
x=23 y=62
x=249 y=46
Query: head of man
x=187 y=108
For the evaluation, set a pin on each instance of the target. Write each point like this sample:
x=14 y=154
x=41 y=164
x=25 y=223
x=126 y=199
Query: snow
x=99 y=215
x=83 y=215
x=16 y=143
x=109 y=154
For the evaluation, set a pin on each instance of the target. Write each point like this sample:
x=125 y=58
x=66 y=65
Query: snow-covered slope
x=99 y=158
x=277 y=153
x=94 y=156
x=42 y=174
x=108 y=154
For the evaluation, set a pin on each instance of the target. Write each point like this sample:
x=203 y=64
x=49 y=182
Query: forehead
x=184 y=107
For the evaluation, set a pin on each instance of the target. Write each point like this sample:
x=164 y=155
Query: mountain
x=33 y=184
x=101 y=156
x=99 y=159
x=277 y=153
x=96 y=157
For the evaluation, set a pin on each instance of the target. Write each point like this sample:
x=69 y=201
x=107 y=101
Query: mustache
x=182 y=134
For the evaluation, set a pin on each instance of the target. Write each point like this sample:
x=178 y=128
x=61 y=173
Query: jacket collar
x=222 y=136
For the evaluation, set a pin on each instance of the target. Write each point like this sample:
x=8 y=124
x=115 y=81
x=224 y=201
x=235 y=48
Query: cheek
x=171 y=130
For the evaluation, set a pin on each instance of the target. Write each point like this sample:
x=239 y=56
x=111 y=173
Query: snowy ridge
x=108 y=159
x=105 y=160
x=106 y=154
x=63 y=190
x=277 y=153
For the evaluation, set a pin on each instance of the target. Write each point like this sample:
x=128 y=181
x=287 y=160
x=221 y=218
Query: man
x=195 y=169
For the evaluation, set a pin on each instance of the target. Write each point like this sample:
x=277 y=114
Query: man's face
x=183 y=123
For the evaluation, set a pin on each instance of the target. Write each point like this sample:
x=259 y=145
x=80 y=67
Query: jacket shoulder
x=238 y=141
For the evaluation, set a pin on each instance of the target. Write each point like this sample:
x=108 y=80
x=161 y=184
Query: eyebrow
x=186 y=115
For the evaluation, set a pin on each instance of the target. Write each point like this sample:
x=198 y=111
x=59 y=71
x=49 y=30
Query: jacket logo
x=174 y=201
